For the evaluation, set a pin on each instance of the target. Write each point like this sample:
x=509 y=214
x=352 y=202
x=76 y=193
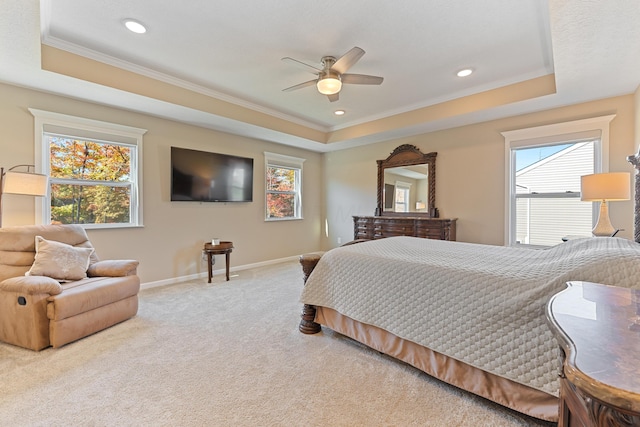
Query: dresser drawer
x=364 y=233
x=379 y=227
x=362 y=228
x=430 y=233
x=389 y=228
x=430 y=229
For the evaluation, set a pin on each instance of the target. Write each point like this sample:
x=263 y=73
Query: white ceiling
x=232 y=51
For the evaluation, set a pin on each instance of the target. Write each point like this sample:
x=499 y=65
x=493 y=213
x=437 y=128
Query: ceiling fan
x=332 y=75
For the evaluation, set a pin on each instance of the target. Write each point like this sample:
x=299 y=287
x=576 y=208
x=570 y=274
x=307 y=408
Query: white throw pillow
x=59 y=260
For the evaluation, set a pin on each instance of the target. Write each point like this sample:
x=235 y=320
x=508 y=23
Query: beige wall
x=470 y=171
x=336 y=186
x=636 y=99
x=169 y=245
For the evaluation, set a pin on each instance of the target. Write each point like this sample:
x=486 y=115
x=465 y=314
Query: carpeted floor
x=228 y=354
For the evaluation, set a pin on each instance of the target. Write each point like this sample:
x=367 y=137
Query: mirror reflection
x=406 y=189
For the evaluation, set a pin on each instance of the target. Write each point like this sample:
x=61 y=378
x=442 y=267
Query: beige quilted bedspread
x=480 y=304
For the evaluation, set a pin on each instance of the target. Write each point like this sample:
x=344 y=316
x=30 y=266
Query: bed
x=471 y=315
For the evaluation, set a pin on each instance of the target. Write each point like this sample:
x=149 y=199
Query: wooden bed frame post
x=635 y=161
x=308 y=316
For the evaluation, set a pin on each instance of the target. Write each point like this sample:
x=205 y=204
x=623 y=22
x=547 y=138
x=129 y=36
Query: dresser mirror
x=407 y=183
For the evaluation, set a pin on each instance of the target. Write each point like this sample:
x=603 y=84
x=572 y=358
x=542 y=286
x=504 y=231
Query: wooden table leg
x=228 y=256
x=209 y=266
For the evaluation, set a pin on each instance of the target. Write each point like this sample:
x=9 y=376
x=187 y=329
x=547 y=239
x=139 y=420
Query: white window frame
x=572 y=131
x=284 y=161
x=79 y=127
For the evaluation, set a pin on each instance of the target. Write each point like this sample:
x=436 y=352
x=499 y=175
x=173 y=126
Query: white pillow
x=59 y=260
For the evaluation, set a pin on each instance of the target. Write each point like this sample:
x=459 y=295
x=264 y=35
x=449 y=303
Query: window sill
x=109 y=226
x=282 y=219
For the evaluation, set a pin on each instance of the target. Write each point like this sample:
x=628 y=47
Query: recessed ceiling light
x=338 y=112
x=135 y=26
x=464 y=73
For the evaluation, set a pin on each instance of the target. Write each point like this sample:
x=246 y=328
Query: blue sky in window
x=528 y=156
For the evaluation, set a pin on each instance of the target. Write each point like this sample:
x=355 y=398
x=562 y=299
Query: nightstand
x=598 y=328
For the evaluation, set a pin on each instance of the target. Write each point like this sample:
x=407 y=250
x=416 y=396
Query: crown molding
x=73 y=48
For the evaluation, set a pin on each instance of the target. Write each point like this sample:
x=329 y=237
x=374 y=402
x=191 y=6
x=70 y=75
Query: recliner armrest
x=31 y=285
x=113 y=268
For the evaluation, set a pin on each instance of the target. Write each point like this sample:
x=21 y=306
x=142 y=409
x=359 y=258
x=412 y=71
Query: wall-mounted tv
x=202 y=176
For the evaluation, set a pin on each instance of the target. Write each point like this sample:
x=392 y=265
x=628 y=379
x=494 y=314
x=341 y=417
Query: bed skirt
x=518 y=397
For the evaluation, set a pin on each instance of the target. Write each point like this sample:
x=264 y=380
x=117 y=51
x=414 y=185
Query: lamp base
x=603 y=227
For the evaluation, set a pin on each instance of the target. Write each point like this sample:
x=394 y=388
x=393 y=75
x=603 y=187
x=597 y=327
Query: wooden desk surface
x=598 y=328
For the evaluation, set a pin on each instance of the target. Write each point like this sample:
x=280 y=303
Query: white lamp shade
x=32 y=184
x=612 y=186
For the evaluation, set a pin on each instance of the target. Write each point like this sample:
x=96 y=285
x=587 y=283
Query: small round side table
x=224 y=248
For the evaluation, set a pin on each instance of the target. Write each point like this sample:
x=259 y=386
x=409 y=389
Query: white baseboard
x=174 y=280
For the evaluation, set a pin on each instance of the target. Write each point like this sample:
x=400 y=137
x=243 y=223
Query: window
x=94 y=171
x=547 y=195
x=402 y=196
x=544 y=166
x=283 y=193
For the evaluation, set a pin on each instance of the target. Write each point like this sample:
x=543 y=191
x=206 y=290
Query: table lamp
x=603 y=188
x=27 y=183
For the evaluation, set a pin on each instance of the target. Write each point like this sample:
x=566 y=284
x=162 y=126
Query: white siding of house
x=566 y=167
x=544 y=221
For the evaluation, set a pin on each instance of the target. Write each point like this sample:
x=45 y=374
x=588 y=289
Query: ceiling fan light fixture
x=333 y=74
x=329 y=84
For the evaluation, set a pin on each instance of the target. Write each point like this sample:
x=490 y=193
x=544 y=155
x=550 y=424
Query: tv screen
x=203 y=176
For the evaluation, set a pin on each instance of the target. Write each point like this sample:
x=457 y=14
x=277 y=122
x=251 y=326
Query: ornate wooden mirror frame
x=408 y=155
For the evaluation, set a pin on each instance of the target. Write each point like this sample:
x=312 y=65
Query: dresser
x=598 y=328
x=378 y=227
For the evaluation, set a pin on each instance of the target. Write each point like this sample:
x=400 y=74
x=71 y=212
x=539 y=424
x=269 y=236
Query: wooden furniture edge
x=584 y=400
x=635 y=161
x=307 y=317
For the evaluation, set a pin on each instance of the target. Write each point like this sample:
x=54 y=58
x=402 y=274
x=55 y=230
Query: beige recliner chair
x=67 y=292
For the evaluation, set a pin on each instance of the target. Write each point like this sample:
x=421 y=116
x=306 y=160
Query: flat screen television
x=203 y=176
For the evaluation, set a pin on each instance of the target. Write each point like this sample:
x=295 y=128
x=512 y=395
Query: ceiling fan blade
x=361 y=79
x=334 y=97
x=299 y=64
x=300 y=86
x=347 y=60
